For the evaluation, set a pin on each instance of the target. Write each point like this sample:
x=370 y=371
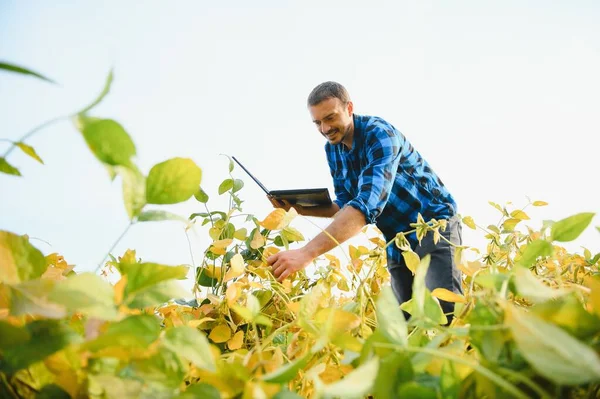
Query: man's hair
x=328 y=90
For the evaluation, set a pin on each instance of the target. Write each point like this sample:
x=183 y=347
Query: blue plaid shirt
x=386 y=179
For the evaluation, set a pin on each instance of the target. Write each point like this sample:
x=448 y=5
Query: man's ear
x=350 y=108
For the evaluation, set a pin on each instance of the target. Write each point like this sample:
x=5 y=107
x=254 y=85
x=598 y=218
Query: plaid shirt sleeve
x=376 y=179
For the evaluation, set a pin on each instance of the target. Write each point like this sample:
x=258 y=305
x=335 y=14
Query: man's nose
x=324 y=128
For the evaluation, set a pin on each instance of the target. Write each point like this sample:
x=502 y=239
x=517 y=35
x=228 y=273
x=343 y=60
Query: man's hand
x=286 y=263
x=285 y=205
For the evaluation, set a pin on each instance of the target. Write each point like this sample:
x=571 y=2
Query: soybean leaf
x=29 y=150
x=532 y=288
x=110 y=386
x=86 y=293
x=137 y=331
x=144 y=275
x=201 y=196
x=390 y=318
x=534 y=250
x=202 y=390
x=19 y=260
x=107 y=140
x=570 y=228
x=355 y=384
x=172 y=181
x=237 y=185
x=18 y=69
x=157 y=216
x=225 y=186
x=191 y=345
x=103 y=94
x=45 y=338
x=394 y=369
x=7 y=168
x=12 y=335
x=554 y=353
x=31 y=297
x=156 y=294
x=288 y=371
x=134 y=190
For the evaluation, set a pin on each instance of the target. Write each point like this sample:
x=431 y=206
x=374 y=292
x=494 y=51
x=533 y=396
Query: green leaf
x=52 y=391
x=450 y=381
x=148 y=283
x=159 y=216
x=31 y=297
x=7 y=168
x=355 y=384
x=17 y=69
x=105 y=386
x=394 y=369
x=86 y=293
x=532 y=288
x=225 y=186
x=288 y=371
x=134 y=190
x=569 y=313
x=570 y=228
x=107 y=140
x=237 y=185
x=202 y=390
x=413 y=389
x=134 y=331
x=534 y=250
x=19 y=260
x=191 y=345
x=173 y=181
x=419 y=289
x=103 y=94
x=143 y=275
x=29 y=150
x=291 y=234
x=285 y=394
x=45 y=338
x=201 y=196
x=554 y=353
x=157 y=294
x=390 y=318
x=12 y=335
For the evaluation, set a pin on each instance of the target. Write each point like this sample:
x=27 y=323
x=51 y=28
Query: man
x=378 y=178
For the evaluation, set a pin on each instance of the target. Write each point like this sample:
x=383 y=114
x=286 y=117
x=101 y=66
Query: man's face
x=334 y=120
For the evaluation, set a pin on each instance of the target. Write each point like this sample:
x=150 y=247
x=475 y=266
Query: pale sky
x=502 y=99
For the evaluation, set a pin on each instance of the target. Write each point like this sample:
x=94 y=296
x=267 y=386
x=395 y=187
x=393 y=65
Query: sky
x=500 y=97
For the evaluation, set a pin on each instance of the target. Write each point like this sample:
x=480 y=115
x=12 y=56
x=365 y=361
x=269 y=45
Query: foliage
x=527 y=325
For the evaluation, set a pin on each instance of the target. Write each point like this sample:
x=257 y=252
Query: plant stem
x=32 y=132
x=114 y=245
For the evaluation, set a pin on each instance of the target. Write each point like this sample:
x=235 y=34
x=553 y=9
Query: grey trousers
x=442 y=273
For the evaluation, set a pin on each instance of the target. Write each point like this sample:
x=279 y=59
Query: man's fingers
x=283 y=275
x=272 y=259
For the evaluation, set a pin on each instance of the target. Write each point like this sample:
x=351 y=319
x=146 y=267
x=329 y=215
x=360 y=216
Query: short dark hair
x=328 y=90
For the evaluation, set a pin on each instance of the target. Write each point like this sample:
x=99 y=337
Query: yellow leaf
x=293 y=306
x=518 y=214
x=270 y=251
x=237 y=341
x=510 y=224
x=447 y=295
x=198 y=323
x=412 y=260
x=273 y=219
x=470 y=267
x=213 y=271
x=278 y=219
x=120 y=289
x=539 y=203
x=232 y=293
x=291 y=234
x=468 y=220
x=53 y=273
x=220 y=334
x=218 y=250
x=222 y=243
x=257 y=240
x=594 y=285
x=29 y=150
x=342 y=320
x=236 y=268
x=240 y=234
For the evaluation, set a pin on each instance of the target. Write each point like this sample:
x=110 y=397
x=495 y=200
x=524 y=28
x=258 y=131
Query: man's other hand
x=285 y=263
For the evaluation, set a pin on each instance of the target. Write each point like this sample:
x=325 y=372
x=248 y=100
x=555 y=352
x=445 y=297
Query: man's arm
x=347 y=223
